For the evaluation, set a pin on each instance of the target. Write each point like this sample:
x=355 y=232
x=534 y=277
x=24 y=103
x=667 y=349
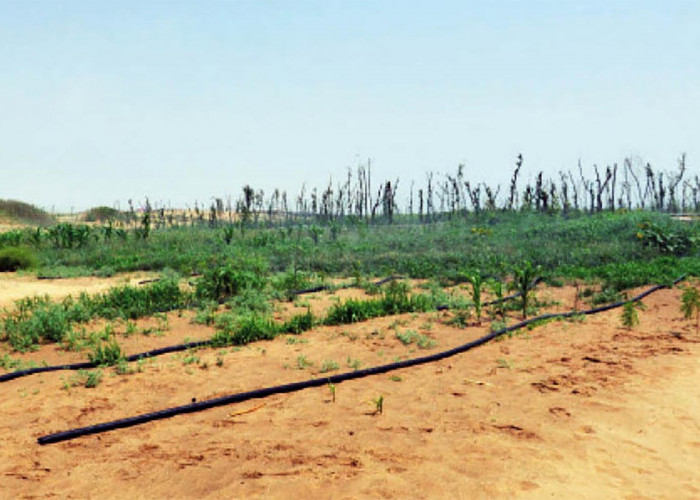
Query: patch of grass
x=299 y=323
x=355 y=364
x=89 y=379
x=303 y=363
x=242 y=330
x=413 y=337
x=296 y=340
x=329 y=366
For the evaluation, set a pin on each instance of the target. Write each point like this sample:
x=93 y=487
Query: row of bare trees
x=631 y=185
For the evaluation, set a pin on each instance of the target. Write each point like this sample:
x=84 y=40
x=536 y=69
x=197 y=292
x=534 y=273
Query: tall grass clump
x=395 y=300
x=131 y=303
x=241 y=330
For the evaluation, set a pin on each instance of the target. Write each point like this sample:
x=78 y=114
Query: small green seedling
x=303 y=363
x=378 y=405
x=690 y=305
x=629 y=317
x=476 y=282
x=331 y=387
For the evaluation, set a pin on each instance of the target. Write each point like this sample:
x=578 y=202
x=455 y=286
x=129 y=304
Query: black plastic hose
x=321 y=288
x=332 y=379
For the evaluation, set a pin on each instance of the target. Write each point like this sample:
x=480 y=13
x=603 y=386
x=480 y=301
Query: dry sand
x=567 y=410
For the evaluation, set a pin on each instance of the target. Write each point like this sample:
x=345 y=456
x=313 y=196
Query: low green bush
x=16 y=258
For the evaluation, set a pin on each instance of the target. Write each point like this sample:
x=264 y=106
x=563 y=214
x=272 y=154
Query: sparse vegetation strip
x=330 y=379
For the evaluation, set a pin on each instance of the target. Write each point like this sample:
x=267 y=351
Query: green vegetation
x=690 y=305
x=89 y=379
x=109 y=354
x=629 y=316
x=239 y=261
x=476 y=282
x=523 y=279
x=395 y=300
x=413 y=337
x=15 y=258
x=378 y=405
x=329 y=366
x=37 y=320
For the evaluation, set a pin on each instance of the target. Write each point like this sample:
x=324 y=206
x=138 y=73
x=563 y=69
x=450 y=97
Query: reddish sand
x=567 y=410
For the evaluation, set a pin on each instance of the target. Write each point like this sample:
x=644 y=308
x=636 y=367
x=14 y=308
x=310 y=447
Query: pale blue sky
x=102 y=101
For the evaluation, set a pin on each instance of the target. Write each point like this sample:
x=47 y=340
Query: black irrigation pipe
x=317 y=382
x=85 y=365
x=321 y=288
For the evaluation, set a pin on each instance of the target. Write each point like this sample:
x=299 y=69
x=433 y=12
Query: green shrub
x=35 y=321
x=16 y=258
x=107 y=354
x=221 y=282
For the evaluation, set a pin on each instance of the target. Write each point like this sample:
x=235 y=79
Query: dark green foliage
x=69 y=235
x=668 y=239
x=16 y=258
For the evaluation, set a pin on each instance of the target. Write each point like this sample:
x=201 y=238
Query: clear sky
x=102 y=101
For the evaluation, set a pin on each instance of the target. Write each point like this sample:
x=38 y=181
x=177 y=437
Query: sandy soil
x=13 y=287
x=566 y=410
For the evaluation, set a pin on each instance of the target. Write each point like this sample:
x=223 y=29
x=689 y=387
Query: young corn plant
x=378 y=405
x=476 y=282
x=523 y=282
